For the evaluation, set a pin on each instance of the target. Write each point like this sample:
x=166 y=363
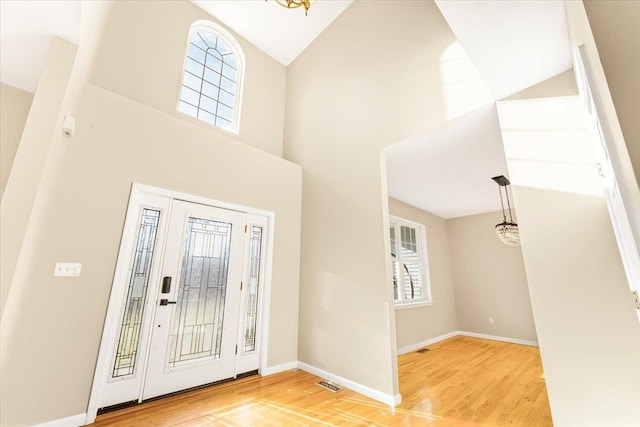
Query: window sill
x=402 y=305
x=194 y=120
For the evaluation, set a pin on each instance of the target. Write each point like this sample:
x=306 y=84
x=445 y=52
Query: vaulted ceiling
x=506 y=46
x=26 y=28
x=448 y=173
x=512 y=45
x=283 y=34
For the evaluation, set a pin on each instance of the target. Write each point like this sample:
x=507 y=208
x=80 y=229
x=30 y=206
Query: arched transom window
x=212 y=77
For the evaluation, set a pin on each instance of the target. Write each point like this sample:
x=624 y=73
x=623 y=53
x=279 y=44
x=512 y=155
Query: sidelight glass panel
x=251 y=315
x=129 y=338
x=196 y=333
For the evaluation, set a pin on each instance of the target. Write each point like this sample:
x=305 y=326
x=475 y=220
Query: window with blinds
x=409 y=261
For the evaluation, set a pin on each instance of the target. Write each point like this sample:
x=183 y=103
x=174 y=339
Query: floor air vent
x=422 y=350
x=331 y=387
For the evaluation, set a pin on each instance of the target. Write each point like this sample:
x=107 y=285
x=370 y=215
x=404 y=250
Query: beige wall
x=490 y=280
x=617 y=35
x=589 y=335
x=118 y=142
x=80 y=191
x=26 y=173
x=142 y=55
x=14 y=108
x=338 y=119
x=418 y=324
x=62 y=80
x=370 y=80
x=586 y=324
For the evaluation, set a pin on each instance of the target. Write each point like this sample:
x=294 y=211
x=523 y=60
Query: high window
x=409 y=262
x=212 y=77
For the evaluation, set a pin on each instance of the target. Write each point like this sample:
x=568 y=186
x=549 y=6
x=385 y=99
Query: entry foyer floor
x=461 y=381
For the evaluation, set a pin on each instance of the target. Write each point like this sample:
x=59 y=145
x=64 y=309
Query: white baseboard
x=397 y=399
x=387 y=399
x=497 y=338
x=430 y=341
x=72 y=421
x=279 y=368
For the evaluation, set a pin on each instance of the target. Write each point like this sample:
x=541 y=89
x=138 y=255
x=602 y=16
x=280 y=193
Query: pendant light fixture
x=293 y=4
x=507 y=230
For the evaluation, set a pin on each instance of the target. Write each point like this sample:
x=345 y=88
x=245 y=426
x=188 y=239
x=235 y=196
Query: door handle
x=165 y=301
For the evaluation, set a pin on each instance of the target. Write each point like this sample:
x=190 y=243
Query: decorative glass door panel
x=196 y=324
x=199 y=316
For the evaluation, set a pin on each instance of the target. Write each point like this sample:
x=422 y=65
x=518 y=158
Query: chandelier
x=292 y=4
x=507 y=230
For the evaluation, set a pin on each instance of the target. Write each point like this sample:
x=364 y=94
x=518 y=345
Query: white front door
x=194 y=335
x=186 y=301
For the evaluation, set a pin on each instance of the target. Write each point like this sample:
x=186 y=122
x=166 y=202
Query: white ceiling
x=281 y=33
x=513 y=44
x=548 y=145
x=449 y=172
x=26 y=28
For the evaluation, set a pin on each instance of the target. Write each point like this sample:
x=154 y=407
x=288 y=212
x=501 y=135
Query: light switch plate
x=67 y=269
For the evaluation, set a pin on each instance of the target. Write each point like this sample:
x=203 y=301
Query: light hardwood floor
x=460 y=382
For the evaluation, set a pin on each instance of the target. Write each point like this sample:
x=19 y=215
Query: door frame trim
x=109 y=330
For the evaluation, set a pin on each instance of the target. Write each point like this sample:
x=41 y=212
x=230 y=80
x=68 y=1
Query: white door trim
x=619 y=196
x=121 y=272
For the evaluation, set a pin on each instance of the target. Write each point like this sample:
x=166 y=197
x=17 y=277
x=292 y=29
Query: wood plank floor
x=460 y=382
